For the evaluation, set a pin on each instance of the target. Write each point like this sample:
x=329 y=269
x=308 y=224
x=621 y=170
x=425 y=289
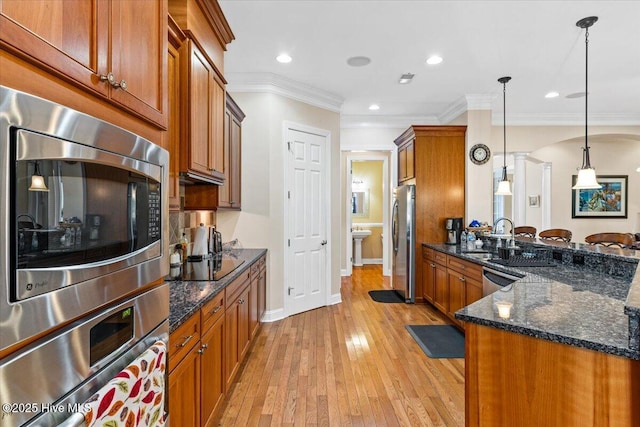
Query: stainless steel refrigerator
x=403 y=230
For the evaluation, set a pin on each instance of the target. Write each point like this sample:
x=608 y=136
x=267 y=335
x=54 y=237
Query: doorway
x=367 y=200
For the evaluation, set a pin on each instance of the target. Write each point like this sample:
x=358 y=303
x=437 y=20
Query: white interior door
x=306 y=222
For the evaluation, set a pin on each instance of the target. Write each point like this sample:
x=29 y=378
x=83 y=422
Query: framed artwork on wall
x=534 y=200
x=610 y=201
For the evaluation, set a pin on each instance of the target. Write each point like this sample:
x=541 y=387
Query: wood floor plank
x=350 y=364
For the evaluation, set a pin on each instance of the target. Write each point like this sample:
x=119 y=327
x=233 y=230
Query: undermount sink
x=358 y=236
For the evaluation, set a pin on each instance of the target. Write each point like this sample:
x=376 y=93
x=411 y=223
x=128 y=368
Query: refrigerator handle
x=394 y=226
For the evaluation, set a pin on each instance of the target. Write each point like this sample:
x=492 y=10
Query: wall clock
x=479 y=154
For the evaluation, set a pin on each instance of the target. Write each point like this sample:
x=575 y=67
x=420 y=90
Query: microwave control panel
x=154 y=212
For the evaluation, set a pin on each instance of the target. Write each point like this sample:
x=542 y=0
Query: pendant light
x=504 y=187
x=586 y=174
x=37 y=180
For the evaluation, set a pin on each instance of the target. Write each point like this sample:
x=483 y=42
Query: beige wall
x=260 y=224
x=615 y=150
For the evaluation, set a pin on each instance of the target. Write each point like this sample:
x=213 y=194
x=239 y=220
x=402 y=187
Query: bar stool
x=557 y=234
x=621 y=240
x=525 y=231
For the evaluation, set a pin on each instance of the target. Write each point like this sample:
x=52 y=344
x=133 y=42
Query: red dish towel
x=134 y=397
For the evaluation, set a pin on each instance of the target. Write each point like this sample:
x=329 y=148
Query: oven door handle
x=75 y=420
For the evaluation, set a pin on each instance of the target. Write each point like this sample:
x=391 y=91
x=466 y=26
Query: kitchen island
x=566 y=352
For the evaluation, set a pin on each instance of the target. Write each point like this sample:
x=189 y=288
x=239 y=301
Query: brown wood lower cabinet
x=517 y=380
x=206 y=352
x=453 y=282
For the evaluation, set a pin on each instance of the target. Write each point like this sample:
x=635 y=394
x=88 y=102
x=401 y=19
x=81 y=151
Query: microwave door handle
x=132 y=215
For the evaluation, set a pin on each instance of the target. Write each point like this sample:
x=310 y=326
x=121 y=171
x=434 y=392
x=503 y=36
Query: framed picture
x=610 y=201
x=534 y=201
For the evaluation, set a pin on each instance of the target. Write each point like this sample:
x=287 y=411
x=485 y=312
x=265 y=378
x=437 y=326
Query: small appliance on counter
x=454 y=230
x=200 y=242
x=215 y=241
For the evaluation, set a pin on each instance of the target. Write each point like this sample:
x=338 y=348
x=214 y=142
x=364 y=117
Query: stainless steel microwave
x=83 y=214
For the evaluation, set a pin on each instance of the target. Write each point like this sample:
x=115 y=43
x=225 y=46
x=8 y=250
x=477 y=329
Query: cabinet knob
x=462 y=279
x=203 y=348
x=111 y=79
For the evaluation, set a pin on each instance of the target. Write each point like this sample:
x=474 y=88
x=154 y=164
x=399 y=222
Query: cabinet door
x=254 y=320
x=244 y=338
x=428 y=279
x=262 y=291
x=235 y=164
x=441 y=288
x=40 y=32
x=402 y=163
x=217 y=126
x=456 y=294
x=473 y=291
x=199 y=157
x=212 y=379
x=184 y=391
x=410 y=161
x=175 y=123
x=138 y=49
x=224 y=191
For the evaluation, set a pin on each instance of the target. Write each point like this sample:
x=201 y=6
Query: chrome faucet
x=512 y=243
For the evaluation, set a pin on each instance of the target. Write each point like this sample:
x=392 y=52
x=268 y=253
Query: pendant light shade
x=504 y=187
x=586 y=174
x=37 y=180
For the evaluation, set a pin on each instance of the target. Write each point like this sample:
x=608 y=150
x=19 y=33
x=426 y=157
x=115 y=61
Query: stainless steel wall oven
x=82 y=207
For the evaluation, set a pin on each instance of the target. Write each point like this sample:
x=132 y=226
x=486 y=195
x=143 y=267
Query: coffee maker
x=454 y=229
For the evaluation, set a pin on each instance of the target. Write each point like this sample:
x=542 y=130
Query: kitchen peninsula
x=212 y=325
x=566 y=353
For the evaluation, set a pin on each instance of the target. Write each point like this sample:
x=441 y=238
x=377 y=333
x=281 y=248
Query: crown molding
x=464 y=104
x=278 y=85
x=384 y=122
x=566 y=119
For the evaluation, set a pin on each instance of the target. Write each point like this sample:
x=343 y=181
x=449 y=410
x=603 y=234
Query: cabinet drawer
x=212 y=311
x=255 y=269
x=183 y=339
x=427 y=253
x=469 y=269
x=236 y=286
x=440 y=258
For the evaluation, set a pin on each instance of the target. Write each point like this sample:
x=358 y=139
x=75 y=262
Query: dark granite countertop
x=585 y=306
x=186 y=298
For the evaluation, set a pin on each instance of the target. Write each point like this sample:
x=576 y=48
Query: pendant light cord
x=504 y=124
x=587 y=161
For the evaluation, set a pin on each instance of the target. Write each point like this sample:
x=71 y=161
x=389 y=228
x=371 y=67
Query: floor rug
x=385 y=296
x=438 y=341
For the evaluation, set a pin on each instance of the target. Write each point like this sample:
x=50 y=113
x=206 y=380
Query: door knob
x=324 y=242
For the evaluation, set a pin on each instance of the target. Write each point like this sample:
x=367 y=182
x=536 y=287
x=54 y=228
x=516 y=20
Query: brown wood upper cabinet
x=115 y=50
x=406 y=159
x=202 y=95
x=230 y=194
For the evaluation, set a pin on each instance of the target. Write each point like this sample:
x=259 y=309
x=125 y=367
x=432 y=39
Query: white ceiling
x=535 y=42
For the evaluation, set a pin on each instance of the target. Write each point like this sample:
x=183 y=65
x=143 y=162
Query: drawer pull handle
x=186 y=340
x=215 y=310
x=462 y=279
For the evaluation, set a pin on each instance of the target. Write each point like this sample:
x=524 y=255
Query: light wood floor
x=350 y=364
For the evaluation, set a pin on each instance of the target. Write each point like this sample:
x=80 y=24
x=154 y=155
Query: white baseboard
x=372 y=261
x=335 y=299
x=343 y=272
x=273 y=315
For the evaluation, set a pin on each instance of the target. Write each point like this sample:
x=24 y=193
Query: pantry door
x=307 y=209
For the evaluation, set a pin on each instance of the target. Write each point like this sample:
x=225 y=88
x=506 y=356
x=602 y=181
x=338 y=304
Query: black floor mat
x=438 y=341
x=386 y=296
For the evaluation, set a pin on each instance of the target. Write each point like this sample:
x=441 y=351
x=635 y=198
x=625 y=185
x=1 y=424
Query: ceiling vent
x=406 y=78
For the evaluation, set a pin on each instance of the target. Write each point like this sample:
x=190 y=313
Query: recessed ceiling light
x=552 y=95
x=576 y=95
x=283 y=58
x=358 y=61
x=433 y=60
x=405 y=78
x=374 y=107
